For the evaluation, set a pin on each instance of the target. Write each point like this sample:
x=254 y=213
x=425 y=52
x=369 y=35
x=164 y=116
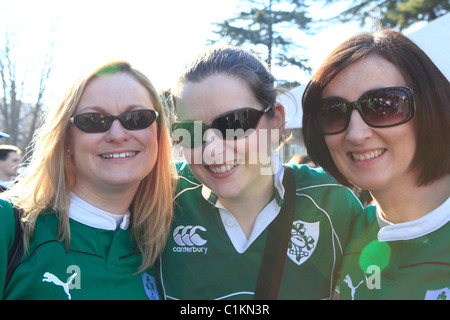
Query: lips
x=222 y=168
x=367 y=155
x=118 y=155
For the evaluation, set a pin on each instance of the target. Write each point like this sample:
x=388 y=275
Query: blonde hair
x=47 y=182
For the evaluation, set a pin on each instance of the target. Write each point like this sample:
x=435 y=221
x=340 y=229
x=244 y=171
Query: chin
x=122 y=181
x=367 y=184
x=226 y=192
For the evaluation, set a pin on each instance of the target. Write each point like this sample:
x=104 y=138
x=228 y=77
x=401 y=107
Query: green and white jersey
x=101 y=262
x=408 y=260
x=207 y=255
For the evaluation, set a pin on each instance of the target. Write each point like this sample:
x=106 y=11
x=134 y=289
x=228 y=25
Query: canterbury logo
x=187 y=236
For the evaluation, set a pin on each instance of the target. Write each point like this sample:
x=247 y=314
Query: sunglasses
x=94 y=122
x=238 y=121
x=380 y=108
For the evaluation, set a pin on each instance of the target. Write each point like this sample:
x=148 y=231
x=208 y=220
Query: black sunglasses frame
x=189 y=125
x=356 y=105
x=109 y=119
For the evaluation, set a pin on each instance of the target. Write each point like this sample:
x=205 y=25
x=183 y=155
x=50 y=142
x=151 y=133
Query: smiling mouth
x=120 y=155
x=367 y=155
x=223 y=168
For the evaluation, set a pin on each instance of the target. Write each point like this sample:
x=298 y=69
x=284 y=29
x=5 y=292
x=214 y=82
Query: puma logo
x=349 y=283
x=50 y=277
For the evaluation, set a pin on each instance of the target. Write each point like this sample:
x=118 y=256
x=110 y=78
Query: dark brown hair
x=431 y=90
x=234 y=62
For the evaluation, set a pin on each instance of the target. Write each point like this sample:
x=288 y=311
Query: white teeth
x=223 y=168
x=118 y=155
x=368 y=155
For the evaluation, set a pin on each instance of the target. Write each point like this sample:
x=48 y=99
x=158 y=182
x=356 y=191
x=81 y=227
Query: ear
x=278 y=122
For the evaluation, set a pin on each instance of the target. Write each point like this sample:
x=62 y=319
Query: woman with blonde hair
x=95 y=203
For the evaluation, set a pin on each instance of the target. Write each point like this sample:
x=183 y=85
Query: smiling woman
x=393 y=141
x=233 y=192
x=97 y=145
x=89 y=199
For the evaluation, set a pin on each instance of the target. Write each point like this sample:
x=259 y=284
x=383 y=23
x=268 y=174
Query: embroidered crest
x=440 y=294
x=304 y=237
x=150 y=288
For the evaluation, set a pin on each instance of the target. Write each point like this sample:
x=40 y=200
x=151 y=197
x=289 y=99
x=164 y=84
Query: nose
x=117 y=133
x=358 y=131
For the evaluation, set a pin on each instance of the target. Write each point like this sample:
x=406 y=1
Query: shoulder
x=186 y=179
x=365 y=222
x=5 y=208
x=7 y=234
x=306 y=176
x=322 y=191
x=316 y=180
x=7 y=221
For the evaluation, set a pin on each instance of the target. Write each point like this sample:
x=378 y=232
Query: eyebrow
x=100 y=109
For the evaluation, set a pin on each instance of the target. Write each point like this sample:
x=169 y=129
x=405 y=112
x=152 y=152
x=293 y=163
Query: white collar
x=7 y=184
x=87 y=214
x=416 y=228
x=264 y=218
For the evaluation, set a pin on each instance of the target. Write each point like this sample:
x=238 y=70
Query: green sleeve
x=7 y=233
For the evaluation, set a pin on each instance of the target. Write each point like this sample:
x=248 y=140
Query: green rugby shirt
x=201 y=262
x=408 y=260
x=100 y=263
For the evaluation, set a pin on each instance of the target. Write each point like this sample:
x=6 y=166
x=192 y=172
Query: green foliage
x=264 y=23
x=393 y=13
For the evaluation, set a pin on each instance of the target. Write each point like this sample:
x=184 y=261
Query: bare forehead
x=371 y=72
x=119 y=90
x=213 y=96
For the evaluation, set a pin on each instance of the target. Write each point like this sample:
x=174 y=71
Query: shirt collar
x=264 y=218
x=416 y=228
x=89 y=215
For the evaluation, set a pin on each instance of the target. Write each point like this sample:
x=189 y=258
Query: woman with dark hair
x=231 y=224
x=377 y=116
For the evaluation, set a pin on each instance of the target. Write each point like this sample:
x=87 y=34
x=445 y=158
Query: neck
x=248 y=205
x=410 y=202
x=4 y=177
x=112 y=201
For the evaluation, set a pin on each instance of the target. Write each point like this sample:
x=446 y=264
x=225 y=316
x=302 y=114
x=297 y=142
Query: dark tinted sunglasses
x=380 y=108
x=94 y=122
x=238 y=121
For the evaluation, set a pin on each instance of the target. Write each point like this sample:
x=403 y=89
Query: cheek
x=150 y=141
x=257 y=147
x=189 y=154
x=334 y=145
x=403 y=151
x=81 y=145
x=200 y=155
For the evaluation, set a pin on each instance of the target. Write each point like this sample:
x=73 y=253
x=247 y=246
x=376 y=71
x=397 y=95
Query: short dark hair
x=431 y=90
x=5 y=149
x=234 y=62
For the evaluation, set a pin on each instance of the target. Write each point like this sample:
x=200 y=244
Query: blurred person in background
x=10 y=159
